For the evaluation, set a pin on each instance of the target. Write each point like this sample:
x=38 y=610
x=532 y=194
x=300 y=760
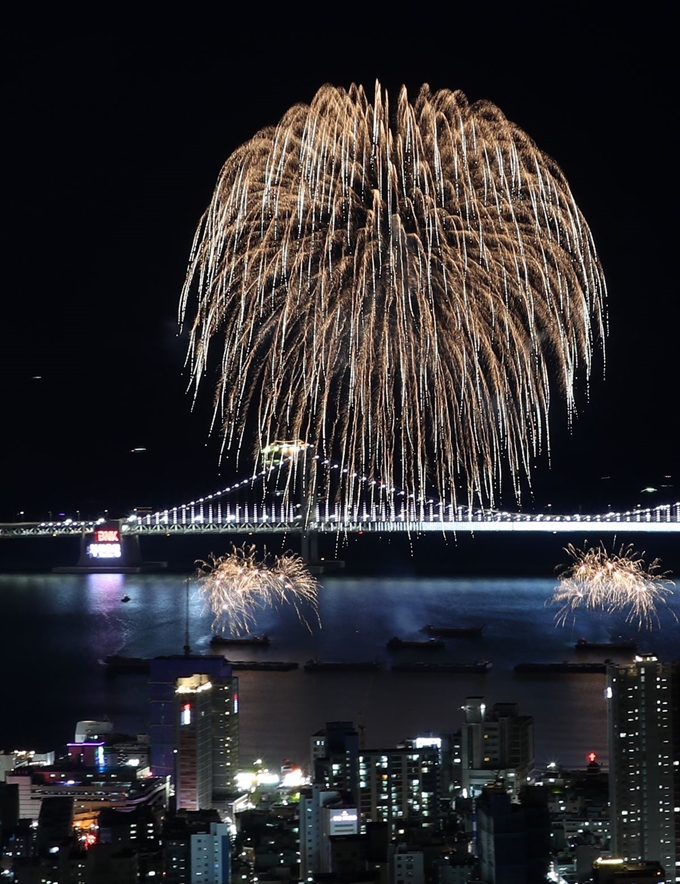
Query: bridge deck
x=661 y=520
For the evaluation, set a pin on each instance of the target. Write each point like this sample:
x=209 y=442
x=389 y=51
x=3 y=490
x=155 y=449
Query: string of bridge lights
x=465 y=513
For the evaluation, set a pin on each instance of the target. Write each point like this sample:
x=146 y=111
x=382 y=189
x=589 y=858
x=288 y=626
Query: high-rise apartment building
x=400 y=786
x=334 y=752
x=193 y=752
x=197 y=849
x=644 y=761
x=165 y=727
x=324 y=813
x=496 y=743
x=513 y=839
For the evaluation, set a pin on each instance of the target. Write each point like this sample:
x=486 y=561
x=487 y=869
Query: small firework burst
x=238 y=585
x=623 y=581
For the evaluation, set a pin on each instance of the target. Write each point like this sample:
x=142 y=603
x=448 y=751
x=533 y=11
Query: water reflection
x=104 y=592
x=55 y=629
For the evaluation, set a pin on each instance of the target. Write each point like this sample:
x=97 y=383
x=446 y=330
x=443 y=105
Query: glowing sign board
x=104 y=551
x=108 y=543
x=343 y=822
x=428 y=742
x=107 y=535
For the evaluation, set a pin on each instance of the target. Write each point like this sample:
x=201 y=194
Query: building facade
x=400 y=787
x=324 y=813
x=644 y=761
x=193 y=755
x=165 y=728
x=496 y=743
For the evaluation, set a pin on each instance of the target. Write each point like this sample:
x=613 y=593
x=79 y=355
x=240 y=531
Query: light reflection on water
x=55 y=628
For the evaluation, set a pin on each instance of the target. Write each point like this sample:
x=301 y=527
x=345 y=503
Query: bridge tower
x=104 y=548
x=300 y=486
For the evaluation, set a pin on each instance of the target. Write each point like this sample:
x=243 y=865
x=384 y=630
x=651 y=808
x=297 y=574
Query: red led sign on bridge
x=107 y=535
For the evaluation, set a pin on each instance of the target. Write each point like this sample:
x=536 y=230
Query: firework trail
x=599 y=580
x=238 y=585
x=391 y=287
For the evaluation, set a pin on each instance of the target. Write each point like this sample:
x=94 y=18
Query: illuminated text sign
x=107 y=535
x=104 y=551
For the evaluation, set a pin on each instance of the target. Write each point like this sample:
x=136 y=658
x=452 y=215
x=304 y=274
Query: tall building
x=334 y=752
x=513 y=840
x=496 y=743
x=196 y=849
x=324 y=813
x=193 y=753
x=644 y=761
x=165 y=728
x=400 y=787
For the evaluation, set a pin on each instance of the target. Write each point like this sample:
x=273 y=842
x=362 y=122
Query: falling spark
x=608 y=581
x=392 y=287
x=238 y=585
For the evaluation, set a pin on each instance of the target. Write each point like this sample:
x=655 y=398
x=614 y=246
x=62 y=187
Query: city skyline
x=117 y=144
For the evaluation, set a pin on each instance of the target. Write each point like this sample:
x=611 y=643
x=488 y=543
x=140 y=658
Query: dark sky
x=114 y=138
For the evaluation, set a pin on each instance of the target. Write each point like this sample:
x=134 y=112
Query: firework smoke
x=612 y=582
x=238 y=585
x=391 y=287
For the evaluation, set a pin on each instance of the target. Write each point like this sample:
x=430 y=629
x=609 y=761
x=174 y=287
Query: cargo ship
x=429 y=644
x=263 y=665
x=453 y=631
x=479 y=667
x=539 y=668
x=331 y=666
x=255 y=641
x=629 y=645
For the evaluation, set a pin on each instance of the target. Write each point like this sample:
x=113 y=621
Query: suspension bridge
x=253 y=506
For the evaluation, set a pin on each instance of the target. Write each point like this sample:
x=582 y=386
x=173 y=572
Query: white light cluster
x=104 y=551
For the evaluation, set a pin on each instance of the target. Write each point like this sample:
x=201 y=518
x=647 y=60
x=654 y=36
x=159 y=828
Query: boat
x=453 y=631
x=225 y=641
x=263 y=665
x=126 y=598
x=331 y=666
x=629 y=645
x=477 y=667
x=134 y=665
x=429 y=644
x=561 y=667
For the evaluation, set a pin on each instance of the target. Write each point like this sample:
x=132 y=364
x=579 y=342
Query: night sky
x=113 y=141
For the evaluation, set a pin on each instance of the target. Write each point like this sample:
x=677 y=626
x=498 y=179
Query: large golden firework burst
x=394 y=288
